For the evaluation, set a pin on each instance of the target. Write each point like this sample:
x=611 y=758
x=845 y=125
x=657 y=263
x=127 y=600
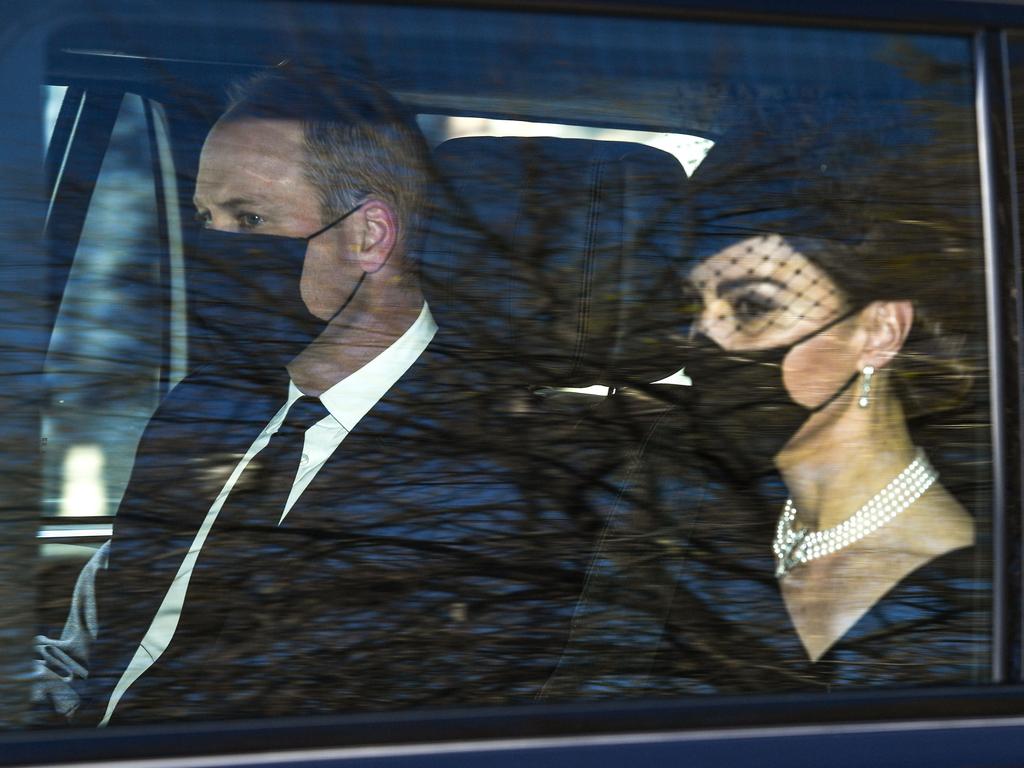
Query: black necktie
x=261 y=491
x=244 y=541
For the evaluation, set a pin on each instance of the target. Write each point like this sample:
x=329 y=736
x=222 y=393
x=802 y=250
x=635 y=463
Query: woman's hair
x=912 y=260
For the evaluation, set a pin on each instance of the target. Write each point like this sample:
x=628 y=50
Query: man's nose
x=222 y=222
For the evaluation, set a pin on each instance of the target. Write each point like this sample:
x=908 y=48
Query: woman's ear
x=887 y=324
x=379 y=235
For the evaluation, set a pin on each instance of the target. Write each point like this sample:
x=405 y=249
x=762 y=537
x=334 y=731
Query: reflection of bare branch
x=447 y=551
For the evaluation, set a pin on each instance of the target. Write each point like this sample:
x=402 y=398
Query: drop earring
x=865 y=386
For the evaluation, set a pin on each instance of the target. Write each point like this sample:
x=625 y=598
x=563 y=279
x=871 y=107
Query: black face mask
x=247 y=305
x=741 y=413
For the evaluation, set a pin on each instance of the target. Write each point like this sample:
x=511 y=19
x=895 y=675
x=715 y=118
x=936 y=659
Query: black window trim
x=695 y=718
x=1001 y=254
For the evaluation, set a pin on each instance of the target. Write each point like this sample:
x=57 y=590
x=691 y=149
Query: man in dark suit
x=426 y=543
x=363 y=567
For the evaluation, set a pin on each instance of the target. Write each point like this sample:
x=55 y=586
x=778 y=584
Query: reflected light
x=84 y=489
x=689 y=150
x=53 y=97
x=679 y=378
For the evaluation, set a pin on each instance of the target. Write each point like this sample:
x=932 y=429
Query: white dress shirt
x=347 y=402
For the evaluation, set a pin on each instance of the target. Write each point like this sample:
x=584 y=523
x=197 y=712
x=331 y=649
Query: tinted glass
x=105 y=354
x=527 y=358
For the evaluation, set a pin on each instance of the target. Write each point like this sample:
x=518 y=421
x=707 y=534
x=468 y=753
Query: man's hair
x=360 y=141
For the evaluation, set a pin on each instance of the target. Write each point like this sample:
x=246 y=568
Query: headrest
x=558 y=260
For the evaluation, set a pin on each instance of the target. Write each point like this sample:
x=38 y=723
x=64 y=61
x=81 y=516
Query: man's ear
x=379 y=235
x=887 y=324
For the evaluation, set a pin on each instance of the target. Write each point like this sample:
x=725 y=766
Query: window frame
x=71 y=180
x=963 y=714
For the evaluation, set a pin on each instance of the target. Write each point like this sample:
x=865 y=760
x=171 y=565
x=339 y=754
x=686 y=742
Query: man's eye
x=249 y=220
x=203 y=217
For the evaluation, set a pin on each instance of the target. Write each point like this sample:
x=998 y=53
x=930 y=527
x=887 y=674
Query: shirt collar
x=352 y=397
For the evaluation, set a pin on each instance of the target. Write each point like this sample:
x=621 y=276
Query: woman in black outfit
x=787 y=527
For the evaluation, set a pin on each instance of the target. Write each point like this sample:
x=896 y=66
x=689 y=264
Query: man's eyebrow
x=235 y=203
x=242 y=202
x=727 y=286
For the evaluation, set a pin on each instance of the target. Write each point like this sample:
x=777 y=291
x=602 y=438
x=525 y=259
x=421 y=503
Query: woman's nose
x=714 y=320
x=715 y=313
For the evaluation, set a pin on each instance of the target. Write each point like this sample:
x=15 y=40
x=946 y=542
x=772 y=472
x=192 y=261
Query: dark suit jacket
x=434 y=559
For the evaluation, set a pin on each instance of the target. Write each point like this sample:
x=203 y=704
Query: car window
x=429 y=358
x=107 y=346
x=107 y=352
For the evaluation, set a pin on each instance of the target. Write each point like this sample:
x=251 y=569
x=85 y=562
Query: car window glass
x=104 y=360
x=105 y=354
x=552 y=358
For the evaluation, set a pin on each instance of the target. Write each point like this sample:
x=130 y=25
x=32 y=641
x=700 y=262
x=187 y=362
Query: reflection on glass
x=690 y=151
x=569 y=490
x=84 y=489
x=53 y=98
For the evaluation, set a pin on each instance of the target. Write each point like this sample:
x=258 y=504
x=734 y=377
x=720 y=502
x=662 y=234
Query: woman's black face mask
x=247 y=307
x=741 y=413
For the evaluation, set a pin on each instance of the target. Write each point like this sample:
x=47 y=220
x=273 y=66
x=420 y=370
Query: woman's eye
x=752 y=307
x=249 y=220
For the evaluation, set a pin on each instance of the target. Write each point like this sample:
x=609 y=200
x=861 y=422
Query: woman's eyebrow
x=727 y=286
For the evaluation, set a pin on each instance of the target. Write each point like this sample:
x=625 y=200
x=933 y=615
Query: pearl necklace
x=792 y=547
